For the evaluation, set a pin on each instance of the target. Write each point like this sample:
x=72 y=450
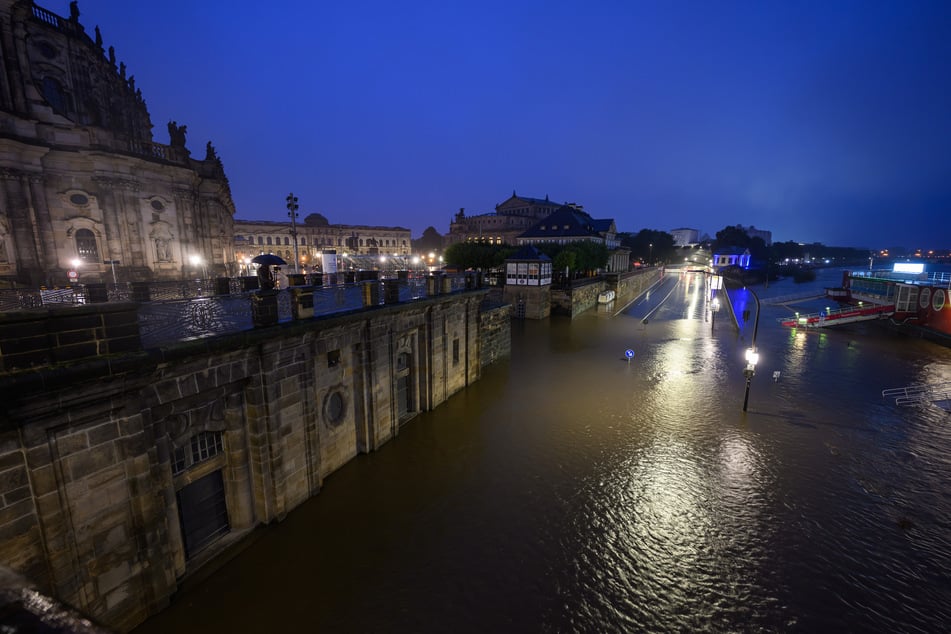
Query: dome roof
x=316 y=220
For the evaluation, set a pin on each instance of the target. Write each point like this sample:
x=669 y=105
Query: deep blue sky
x=820 y=121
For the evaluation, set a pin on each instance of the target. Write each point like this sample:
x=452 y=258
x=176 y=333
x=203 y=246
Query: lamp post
x=751 y=355
x=292 y=208
x=650 y=256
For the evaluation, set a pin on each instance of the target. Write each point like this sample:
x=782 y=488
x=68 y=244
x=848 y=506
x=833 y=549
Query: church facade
x=86 y=193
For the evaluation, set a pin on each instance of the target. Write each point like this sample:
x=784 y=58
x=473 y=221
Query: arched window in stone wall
x=86 y=247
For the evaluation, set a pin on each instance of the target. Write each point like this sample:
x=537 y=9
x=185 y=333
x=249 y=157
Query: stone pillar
x=222 y=286
x=249 y=283
x=264 y=308
x=303 y=304
x=96 y=293
x=371 y=293
x=140 y=291
x=391 y=292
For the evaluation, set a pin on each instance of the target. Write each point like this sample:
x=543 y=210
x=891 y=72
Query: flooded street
x=573 y=490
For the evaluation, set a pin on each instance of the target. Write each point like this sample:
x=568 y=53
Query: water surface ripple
x=572 y=491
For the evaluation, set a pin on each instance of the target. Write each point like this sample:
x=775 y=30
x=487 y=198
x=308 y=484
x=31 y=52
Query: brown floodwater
x=573 y=490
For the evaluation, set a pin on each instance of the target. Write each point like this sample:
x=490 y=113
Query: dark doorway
x=202 y=512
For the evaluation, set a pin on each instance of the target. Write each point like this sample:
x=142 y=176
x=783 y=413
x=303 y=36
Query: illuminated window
x=86 y=246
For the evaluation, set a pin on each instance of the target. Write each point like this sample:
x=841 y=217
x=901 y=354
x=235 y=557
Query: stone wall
x=630 y=285
x=496 y=340
x=101 y=460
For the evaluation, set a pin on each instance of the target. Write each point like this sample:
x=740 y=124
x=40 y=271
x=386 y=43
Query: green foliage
x=650 y=245
x=475 y=255
x=565 y=259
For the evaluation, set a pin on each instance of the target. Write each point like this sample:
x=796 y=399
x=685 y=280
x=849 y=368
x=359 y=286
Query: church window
x=287 y=240
x=455 y=351
x=86 y=246
x=269 y=240
x=303 y=241
x=54 y=95
x=79 y=200
x=260 y=240
x=157 y=205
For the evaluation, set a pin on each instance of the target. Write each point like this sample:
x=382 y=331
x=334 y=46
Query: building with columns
x=84 y=186
x=510 y=219
x=315 y=235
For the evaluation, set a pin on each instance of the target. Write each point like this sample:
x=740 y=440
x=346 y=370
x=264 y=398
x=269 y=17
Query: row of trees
x=648 y=246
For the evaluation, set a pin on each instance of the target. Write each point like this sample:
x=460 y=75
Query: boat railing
x=935 y=278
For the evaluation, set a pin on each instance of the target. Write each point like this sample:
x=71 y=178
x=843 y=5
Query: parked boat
x=606 y=297
x=917 y=302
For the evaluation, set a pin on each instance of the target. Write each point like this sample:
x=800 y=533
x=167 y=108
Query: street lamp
x=292 y=208
x=751 y=355
x=197 y=261
x=650 y=257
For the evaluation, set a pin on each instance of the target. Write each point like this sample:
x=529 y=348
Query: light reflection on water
x=570 y=490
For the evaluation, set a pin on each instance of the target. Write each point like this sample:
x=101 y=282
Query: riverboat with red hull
x=915 y=302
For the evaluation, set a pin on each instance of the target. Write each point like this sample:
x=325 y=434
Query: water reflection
x=570 y=490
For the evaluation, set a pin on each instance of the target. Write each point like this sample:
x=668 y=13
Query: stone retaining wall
x=99 y=458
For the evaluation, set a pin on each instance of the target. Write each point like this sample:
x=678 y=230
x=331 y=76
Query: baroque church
x=86 y=193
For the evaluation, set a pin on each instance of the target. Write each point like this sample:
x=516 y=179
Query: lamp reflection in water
x=714 y=308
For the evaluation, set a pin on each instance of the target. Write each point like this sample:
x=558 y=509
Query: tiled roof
x=564 y=222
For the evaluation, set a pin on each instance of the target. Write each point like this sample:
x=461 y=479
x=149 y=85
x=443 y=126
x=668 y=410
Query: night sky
x=819 y=121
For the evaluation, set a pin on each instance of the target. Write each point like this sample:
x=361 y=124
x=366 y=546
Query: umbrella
x=268 y=258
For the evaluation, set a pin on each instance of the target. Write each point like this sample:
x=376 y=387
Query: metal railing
x=938 y=394
x=190 y=309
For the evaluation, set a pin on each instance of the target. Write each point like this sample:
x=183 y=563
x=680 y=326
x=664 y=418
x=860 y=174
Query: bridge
x=846 y=315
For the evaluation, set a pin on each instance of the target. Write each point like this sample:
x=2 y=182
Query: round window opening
x=333 y=408
x=78 y=199
x=157 y=205
x=47 y=50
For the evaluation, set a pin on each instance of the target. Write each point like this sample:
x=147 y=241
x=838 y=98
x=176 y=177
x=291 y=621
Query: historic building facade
x=84 y=188
x=510 y=219
x=314 y=236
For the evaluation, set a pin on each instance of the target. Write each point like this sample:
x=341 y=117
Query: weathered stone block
x=83 y=463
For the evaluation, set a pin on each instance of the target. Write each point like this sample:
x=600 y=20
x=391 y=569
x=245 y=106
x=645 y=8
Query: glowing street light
x=196 y=261
x=752 y=357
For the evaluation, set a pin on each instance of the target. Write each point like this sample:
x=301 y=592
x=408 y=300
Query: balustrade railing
x=172 y=311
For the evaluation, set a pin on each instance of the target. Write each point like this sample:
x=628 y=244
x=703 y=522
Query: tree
x=732 y=236
x=475 y=255
x=650 y=245
x=431 y=240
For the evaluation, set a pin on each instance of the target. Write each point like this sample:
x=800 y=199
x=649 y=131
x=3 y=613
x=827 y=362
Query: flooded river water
x=573 y=490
